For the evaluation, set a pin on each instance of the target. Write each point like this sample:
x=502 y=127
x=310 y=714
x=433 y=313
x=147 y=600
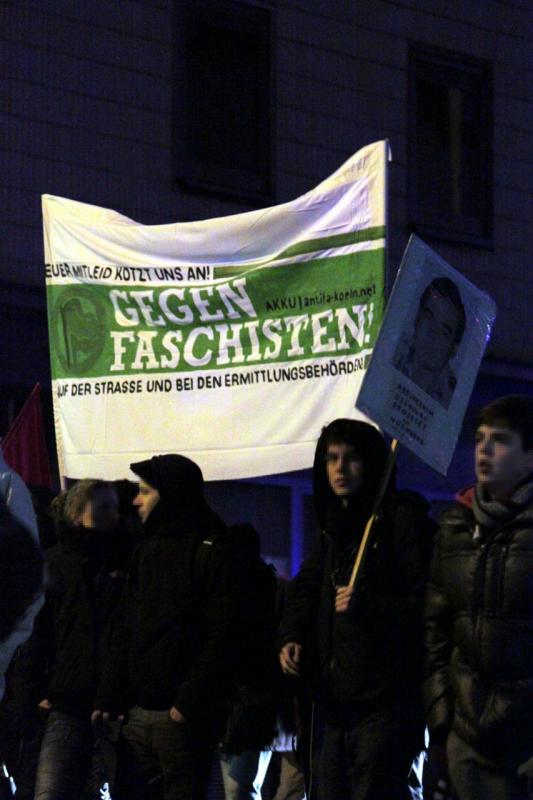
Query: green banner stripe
x=308 y=246
x=339 y=240
x=97 y=333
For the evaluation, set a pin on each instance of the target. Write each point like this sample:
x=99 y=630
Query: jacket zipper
x=480 y=579
x=477 y=595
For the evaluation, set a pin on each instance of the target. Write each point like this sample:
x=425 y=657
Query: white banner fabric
x=230 y=340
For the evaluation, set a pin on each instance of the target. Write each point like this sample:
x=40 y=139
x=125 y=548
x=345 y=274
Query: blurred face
x=344 y=468
x=436 y=326
x=501 y=461
x=102 y=511
x=145 y=500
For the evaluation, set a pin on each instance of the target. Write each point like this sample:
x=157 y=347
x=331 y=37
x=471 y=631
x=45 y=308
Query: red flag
x=24 y=445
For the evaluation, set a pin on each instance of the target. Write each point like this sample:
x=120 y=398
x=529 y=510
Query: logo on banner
x=78 y=320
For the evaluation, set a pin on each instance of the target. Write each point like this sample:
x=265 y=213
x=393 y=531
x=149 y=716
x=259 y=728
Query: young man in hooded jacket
x=362 y=652
x=479 y=615
x=169 y=662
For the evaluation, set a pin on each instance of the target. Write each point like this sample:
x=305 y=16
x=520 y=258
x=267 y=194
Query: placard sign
x=425 y=361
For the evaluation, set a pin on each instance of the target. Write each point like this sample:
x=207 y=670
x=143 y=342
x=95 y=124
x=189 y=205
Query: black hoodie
x=170 y=646
x=70 y=638
x=372 y=653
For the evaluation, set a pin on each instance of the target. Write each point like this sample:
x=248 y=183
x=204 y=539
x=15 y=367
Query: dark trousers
x=71 y=763
x=366 y=759
x=157 y=757
x=20 y=745
x=65 y=757
x=475 y=777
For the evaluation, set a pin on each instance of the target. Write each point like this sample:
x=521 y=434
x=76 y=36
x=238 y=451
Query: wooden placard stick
x=363 y=547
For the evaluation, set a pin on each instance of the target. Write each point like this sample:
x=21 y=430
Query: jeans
x=65 y=757
x=153 y=751
x=21 y=748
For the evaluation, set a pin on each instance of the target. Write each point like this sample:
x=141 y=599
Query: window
x=450 y=146
x=224 y=98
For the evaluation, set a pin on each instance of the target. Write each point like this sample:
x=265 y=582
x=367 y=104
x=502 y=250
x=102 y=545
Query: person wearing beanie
x=169 y=662
x=479 y=616
x=360 y=652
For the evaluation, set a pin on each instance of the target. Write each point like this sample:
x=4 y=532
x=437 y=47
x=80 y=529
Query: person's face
x=435 y=332
x=501 y=461
x=145 y=500
x=344 y=467
x=102 y=511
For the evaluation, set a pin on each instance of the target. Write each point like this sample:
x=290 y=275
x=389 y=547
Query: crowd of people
x=145 y=640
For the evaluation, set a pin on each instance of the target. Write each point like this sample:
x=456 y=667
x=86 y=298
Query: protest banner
x=425 y=361
x=229 y=340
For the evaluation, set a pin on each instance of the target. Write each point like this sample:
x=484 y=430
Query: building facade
x=171 y=111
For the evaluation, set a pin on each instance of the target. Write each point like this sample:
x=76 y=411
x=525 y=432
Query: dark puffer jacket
x=171 y=643
x=21 y=571
x=479 y=636
x=255 y=671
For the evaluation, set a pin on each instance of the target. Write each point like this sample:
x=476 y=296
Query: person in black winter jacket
x=169 y=664
x=70 y=637
x=361 y=652
x=479 y=615
x=21 y=570
x=21 y=573
x=251 y=725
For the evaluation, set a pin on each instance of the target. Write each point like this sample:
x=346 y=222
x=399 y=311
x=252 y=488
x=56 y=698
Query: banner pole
x=363 y=547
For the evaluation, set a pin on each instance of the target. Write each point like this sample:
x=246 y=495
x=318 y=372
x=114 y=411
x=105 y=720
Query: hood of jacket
x=181 y=505
x=370 y=445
